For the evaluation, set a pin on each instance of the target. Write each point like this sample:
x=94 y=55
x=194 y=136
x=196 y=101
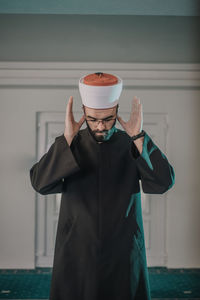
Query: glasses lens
x=103 y=121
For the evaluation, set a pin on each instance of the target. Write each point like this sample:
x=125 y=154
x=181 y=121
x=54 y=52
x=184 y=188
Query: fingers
x=136 y=99
x=69 y=112
x=136 y=104
x=136 y=108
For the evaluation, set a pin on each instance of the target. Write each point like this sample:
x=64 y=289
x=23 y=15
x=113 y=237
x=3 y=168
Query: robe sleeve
x=48 y=174
x=155 y=172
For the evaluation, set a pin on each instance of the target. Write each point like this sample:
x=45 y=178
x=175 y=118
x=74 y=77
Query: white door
x=51 y=125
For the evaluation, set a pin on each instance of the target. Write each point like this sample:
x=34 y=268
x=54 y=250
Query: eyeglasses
x=103 y=121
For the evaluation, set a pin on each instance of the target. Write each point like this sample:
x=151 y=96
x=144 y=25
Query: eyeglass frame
x=103 y=121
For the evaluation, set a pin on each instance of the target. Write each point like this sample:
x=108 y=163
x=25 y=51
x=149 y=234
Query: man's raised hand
x=135 y=122
x=71 y=126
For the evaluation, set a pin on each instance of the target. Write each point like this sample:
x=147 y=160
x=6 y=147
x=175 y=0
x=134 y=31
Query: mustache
x=99 y=131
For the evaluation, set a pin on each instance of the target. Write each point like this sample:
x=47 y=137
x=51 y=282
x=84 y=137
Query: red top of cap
x=100 y=79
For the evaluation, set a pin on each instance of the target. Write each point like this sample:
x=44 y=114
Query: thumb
x=81 y=121
x=121 y=121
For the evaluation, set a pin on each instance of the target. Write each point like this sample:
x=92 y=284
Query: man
x=100 y=248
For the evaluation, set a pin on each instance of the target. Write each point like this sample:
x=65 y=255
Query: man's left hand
x=135 y=122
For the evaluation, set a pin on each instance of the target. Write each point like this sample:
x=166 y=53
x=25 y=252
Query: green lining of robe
x=145 y=153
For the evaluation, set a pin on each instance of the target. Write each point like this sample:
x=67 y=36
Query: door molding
x=67 y=74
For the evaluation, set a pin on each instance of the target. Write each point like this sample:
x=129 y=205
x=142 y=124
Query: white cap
x=100 y=90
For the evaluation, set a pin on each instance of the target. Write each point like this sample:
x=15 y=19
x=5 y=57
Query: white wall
x=18 y=107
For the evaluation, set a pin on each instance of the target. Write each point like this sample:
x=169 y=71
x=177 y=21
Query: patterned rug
x=165 y=283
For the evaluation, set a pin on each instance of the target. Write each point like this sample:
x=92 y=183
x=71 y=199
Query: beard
x=101 y=136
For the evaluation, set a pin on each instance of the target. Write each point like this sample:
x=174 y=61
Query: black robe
x=100 y=248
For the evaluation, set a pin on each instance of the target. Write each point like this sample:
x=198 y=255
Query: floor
x=166 y=284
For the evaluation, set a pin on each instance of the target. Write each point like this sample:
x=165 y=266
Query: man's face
x=101 y=122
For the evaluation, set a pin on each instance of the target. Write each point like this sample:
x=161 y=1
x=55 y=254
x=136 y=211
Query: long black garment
x=100 y=247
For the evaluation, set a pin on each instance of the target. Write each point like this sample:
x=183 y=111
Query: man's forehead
x=100 y=112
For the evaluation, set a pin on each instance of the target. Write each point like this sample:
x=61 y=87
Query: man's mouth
x=100 y=132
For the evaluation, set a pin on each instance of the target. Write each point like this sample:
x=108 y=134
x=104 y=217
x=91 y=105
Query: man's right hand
x=71 y=126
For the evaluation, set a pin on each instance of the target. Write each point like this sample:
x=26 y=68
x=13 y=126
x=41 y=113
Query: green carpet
x=174 y=283
x=165 y=283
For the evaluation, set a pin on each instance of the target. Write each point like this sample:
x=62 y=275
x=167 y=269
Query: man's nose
x=101 y=126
